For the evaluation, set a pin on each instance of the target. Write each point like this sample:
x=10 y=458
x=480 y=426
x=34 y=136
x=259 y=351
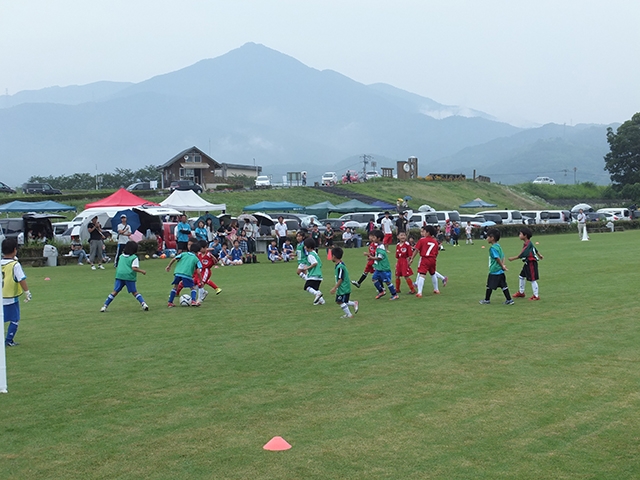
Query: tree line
x=121 y=177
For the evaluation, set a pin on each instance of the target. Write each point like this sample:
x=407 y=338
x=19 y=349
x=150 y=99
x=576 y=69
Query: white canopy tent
x=190 y=201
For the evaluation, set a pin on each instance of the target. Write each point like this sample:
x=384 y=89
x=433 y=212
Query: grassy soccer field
x=438 y=387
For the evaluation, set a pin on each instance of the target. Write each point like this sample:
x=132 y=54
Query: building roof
x=180 y=157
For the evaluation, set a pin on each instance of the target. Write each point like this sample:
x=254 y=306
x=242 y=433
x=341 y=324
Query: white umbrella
x=426 y=208
x=584 y=206
x=245 y=217
x=351 y=224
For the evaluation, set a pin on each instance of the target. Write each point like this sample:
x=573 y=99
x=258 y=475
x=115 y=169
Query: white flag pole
x=3 y=358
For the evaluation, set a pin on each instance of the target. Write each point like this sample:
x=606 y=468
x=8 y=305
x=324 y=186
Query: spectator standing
x=124 y=232
x=582 y=223
x=183 y=232
x=401 y=223
x=96 y=237
x=281 y=231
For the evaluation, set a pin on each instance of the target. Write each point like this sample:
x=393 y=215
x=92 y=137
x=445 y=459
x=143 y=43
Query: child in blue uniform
x=14 y=284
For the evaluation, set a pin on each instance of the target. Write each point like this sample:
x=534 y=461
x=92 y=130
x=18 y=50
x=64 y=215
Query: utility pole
x=365 y=161
x=575 y=175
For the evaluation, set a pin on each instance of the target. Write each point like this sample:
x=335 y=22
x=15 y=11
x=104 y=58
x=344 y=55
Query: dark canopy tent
x=478 y=203
x=383 y=205
x=320 y=210
x=46 y=206
x=354 y=206
x=266 y=206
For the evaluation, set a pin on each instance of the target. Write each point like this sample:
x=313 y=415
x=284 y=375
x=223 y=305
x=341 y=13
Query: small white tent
x=190 y=201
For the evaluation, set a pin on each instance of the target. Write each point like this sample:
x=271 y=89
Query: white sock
x=534 y=285
x=521 y=284
x=420 y=283
x=434 y=281
x=345 y=309
x=312 y=291
x=351 y=303
x=439 y=275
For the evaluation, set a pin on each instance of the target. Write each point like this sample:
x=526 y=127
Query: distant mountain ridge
x=252 y=103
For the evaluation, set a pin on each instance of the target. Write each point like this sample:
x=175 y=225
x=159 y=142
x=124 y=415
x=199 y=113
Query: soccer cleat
x=204 y=294
x=436 y=292
x=485 y=302
x=346 y=316
x=218 y=291
x=100 y=267
x=444 y=281
x=398 y=292
x=534 y=298
x=170 y=305
x=11 y=343
x=104 y=308
x=518 y=295
x=418 y=295
x=93 y=267
x=318 y=297
x=145 y=307
x=195 y=304
x=79 y=263
x=412 y=292
x=509 y=302
x=356 y=306
x=394 y=297
x=381 y=294
x=355 y=284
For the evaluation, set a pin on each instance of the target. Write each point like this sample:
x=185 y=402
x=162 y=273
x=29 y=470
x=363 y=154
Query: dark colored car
x=4 y=188
x=185 y=185
x=40 y=188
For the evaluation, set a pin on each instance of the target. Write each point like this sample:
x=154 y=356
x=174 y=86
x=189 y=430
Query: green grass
x=438 y=387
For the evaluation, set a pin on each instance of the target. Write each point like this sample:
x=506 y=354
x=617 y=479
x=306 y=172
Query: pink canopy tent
x=121 y=198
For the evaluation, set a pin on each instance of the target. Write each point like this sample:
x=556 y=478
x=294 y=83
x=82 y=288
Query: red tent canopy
x=121 y=198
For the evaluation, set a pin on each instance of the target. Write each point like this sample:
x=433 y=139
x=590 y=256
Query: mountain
x=253 y=103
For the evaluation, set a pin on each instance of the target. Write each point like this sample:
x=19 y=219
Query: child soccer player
x=468 y=229
x=301 y=255
x=529 y=256
x=224 y=257
x=287 y=250
x=14 y=284
x=208 y=261
x=496 y=278
x=313 y=269
x=235 y=255
x=273 y=253
x=404 y=251
x=382 y=268
x=126 y=275
x=188 y=263
x=342 y=288
x=373 y=246
x=428 y=248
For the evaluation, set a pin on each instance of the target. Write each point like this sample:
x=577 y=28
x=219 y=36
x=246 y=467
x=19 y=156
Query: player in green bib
x=312 y=267
x=301 y=255
x=382 y=268
x=342 y=288
x=126 y=275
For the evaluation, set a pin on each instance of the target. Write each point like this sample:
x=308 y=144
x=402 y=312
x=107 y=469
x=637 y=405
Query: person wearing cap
x=96 y=238
x=124 y=234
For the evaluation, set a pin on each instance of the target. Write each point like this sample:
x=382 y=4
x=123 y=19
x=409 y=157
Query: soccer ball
x=185 y=300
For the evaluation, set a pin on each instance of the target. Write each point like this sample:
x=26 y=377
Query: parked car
x=4 y=188
x=262 y=181
x=185 y=185
x=139 y=186
x=362 y=218
x=40 y=188
x=509 y=217
x=329 y=179
x=350 y=176
x=12 y=227
x=620 y=213
x=545 y=181
x=372 y=174
x=418 y=219
x=476 y=220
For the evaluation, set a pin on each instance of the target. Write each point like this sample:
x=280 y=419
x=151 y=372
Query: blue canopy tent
x=266 y=206
x=383 y=205
x=46 y=206
x=478 y=203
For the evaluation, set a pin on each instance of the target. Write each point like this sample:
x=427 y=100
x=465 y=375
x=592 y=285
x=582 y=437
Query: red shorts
x=206 y=275
x=427 y=265
x=388 y=238
x=403 y=269
x=369 y=267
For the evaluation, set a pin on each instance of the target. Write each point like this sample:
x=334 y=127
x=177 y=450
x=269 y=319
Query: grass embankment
x=438 y=387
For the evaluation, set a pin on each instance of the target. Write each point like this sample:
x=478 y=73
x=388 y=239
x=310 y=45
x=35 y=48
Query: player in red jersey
x=404 y=252
x=208 y=261
x=427 y=247
x=369 y=254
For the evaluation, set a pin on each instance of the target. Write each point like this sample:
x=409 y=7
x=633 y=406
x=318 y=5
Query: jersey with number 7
x=427 y=247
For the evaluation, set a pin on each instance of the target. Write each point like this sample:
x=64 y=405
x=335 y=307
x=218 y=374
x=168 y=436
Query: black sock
x=507 y=294
x=487 y=296
x=362 y=278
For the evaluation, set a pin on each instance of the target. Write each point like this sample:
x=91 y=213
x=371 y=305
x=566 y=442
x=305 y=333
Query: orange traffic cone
x=329 y=255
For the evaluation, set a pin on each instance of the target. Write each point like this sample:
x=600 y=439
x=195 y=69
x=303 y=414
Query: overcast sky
x=562 y=61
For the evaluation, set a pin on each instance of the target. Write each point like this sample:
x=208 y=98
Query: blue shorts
x=187 y=282
x=344 y=298
x=120 y=284
x=12 y=312
x=383 y=276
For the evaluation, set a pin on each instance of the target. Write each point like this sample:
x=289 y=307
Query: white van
x=444 y=215
x=418 y=219
x=533 y=217
x=509 y=217
x=556 y=216
x=619 y=213
x=362 y=217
